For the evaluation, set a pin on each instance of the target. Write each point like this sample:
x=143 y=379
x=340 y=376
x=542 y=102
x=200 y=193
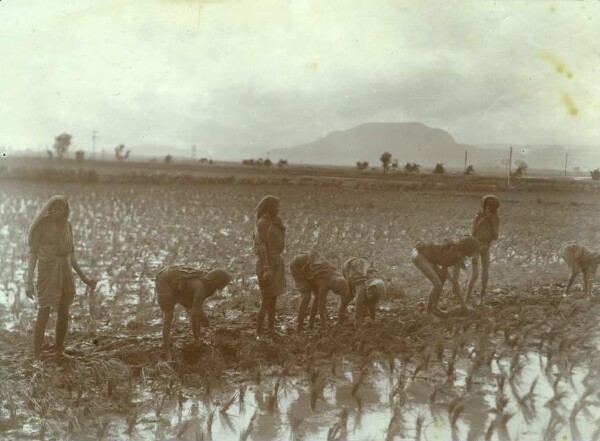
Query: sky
x=233 y=76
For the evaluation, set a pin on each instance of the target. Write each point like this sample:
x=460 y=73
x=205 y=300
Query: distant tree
x=61 y=144
x=577 y=169
x=385 y=159
x=168 y=159
x=205 y=160
x=470 y=170
x=79 y=156
x=595 y=174
x=120 y=153
x=362 y=165
x=282 y=163
x=267 y=162
x=210 y=161
x=49 y=154
x=439 y=169
x=259 y=161
x=521 y=168
x=412 y=167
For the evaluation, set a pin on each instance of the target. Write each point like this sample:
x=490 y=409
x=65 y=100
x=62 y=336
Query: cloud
x=272 y=73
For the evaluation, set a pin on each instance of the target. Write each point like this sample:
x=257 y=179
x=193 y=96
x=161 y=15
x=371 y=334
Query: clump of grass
x=273 y=397
x=248 y=430
x=396 y=425
x=295 y=429
x=339 y=430
x=227 y=404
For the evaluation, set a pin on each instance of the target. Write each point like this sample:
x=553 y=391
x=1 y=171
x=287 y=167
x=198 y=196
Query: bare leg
x=571 y=280
x=166 y=329
x=40 y=328
x=428 y=269
x=585 y=282
x=305 y=300
x=372 y=309
x=62 y=324
x=261 y=314
x=360 y=305
x=314 y=308
x=474 y=276
x=272 y=306
x=322 y=303
x=485 y=272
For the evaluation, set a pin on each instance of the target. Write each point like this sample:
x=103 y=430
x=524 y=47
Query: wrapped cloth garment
x=171 y=284
x=358 y=270
x=577 y=256
x=52 y=242
x=269 y=243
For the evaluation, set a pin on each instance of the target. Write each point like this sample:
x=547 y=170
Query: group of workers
x=51 y=246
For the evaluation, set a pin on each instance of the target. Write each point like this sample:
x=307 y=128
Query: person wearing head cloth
x=189 y=287
x=52 y=251
x=434 y=260
x=364 y=286
x=314 y=276
x=269 y=243
x=485 y=229
x=580 y=259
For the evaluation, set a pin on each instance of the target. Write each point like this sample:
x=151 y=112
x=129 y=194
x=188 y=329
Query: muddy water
x=287 y=414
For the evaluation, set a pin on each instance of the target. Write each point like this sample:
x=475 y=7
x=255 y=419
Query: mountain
x=408 y=142
x=416 y=142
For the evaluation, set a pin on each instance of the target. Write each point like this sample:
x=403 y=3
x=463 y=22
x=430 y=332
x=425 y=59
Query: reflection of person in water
x=188 y=287
x=51 y=249
x=269 y=243
x=364 y=286
x=315 y=276
x=434 y=260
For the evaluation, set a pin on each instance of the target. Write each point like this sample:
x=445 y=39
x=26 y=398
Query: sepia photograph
x=300 y=220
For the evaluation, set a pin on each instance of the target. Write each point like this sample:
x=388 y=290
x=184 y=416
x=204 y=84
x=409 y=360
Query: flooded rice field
x=524 y=366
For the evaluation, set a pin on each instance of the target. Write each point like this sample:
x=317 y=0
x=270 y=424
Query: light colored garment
x=269 y=243
x=52 y=242
x=576 y=255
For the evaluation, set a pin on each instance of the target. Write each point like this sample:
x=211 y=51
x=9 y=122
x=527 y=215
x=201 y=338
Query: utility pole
x=566 y=162
x=509 y=166
x=194 y=152
x=466 y=152
x=94 y=143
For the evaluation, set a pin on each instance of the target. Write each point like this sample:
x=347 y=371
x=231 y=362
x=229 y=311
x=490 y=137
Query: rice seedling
x=273 y=397
x=339 y=430
x=455 y=408
x=227 y=403
x=396 y=426
x=248 y=430
x=419 y=426
x=295 y=423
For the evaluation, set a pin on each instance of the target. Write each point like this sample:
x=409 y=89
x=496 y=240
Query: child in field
x=434 y=260
x=485 y=229
x=314 y=275
x=269 y=243
x=52 y=250
x=364 y=285
x=188 y=287
x=580 y=260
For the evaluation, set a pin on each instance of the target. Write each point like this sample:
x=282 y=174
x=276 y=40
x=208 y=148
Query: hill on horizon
x=417 y=142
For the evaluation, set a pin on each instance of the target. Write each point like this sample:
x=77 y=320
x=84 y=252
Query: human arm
x=359 y=311
x=474 y=275
x=454 y=280
x=262 y=231
x=89 y=282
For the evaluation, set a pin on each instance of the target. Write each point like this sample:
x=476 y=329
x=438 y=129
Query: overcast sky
x=276 y=73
